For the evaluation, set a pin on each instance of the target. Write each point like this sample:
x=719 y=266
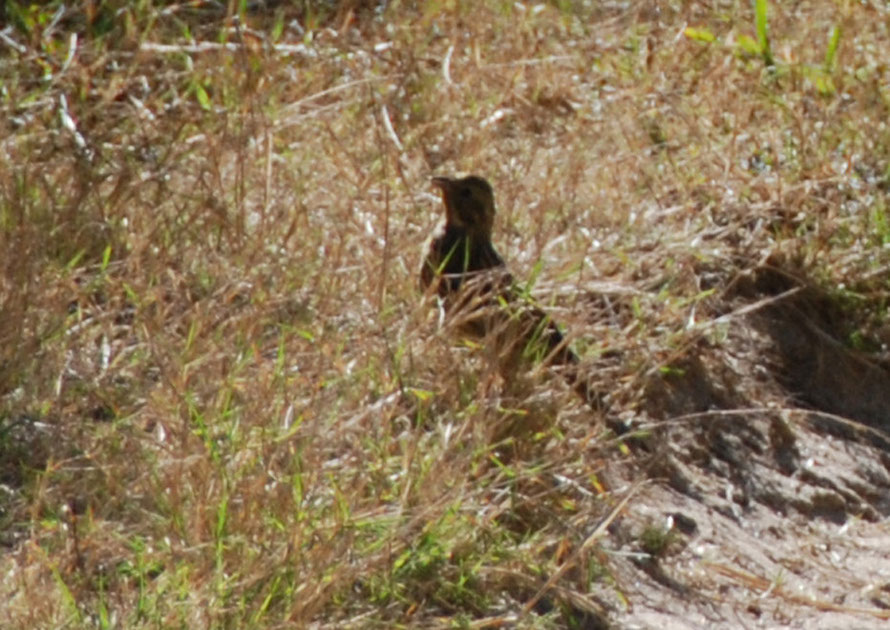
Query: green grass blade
x=834 y=40
x=761 y=22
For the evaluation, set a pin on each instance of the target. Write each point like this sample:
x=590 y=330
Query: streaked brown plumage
x=478 y=293
x=464 y=246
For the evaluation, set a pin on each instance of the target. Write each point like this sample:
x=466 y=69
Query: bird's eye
x=466 y=193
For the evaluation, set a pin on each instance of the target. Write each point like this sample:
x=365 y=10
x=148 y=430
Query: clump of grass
x=656 y=540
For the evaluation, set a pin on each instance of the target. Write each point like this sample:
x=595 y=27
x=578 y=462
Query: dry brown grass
x=223 y=403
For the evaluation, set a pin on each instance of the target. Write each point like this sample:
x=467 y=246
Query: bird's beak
x=442 y=183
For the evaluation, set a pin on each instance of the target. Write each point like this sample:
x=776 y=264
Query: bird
x=479 y=295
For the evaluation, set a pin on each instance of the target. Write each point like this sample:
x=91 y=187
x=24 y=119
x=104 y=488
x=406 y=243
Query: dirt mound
x=775 y=464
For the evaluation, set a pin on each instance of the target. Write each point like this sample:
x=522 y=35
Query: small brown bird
x=478 y=293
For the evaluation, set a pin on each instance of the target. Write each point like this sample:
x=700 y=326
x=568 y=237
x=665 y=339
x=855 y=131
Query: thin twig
x=596 y=535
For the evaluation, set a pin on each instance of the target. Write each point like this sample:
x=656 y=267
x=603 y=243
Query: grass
x=222 y=400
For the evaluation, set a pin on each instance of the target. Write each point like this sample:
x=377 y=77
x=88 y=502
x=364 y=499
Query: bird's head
x=469 y=204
